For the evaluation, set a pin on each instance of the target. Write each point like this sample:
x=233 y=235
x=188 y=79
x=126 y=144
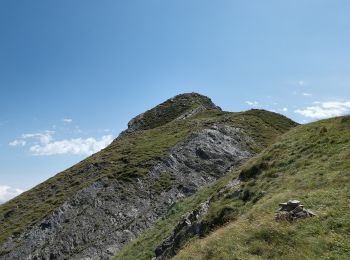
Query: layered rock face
x=100 y=219
x=116 y=194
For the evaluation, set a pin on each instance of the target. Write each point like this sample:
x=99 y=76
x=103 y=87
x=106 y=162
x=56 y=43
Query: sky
x=73 y=73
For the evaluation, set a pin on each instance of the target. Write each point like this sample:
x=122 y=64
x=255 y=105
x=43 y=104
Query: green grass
x=310 y=163
x=167 y=111
x=164 y=183
x=128 y=157
x=143 y=247
x=254 y=123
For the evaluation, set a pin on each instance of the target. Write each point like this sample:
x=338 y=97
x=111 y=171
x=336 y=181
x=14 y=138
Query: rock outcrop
x=187 y=228
x=102 y=218
x=192 y=223
x=292 y=210
x=93 y=209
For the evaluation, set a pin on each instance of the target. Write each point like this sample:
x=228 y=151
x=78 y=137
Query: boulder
x=292 y=210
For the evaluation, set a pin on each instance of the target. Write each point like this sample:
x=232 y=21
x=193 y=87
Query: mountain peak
x=114 y=195
x=178 y=107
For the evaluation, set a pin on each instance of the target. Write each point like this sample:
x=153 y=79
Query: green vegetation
x=254 y=123
x=310 y=163
x=143 y=248
x=163 y=183
x=129 y=156
x=167 y=111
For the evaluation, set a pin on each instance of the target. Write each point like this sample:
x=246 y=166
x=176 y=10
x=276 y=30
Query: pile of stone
x=292 y=210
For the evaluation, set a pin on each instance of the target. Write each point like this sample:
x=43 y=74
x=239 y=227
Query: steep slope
x=96 y=207
x=309 y=163
x=179 y=107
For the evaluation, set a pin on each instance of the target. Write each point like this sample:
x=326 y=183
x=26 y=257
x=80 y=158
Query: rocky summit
x=187 y=179
x=168 y=153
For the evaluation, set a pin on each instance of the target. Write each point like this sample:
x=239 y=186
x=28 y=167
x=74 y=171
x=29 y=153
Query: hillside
x=236 y=215
x=168 y=153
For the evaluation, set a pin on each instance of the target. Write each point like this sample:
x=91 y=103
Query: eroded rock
x=292 y=210
x=100 y=219
x=192 y=223
x=188 y=227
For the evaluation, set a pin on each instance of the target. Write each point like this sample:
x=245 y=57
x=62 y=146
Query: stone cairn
x=292 y=210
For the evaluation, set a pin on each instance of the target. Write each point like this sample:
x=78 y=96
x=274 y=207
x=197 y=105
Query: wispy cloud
x=44 y=144
x=7 y=193
x=80 y=146
x=44 y=137
x=307 y=94
x=327 y=109
x=18 y=142
x=67 y=120
x=252 y=103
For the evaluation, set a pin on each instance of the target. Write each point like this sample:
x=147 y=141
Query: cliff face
x=167 y=153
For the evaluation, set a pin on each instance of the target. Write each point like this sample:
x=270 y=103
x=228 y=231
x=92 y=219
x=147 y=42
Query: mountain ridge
x=178 y=107
x=309 y=163
x=147 y=169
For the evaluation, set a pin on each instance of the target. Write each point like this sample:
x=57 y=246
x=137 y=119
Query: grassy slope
x=310 y=163
x=167 y=111
x=127 y=157
x=263 y=126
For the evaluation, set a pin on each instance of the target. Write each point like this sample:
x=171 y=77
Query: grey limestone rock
x=192 y=223
x=100 y=219
x=292 y=210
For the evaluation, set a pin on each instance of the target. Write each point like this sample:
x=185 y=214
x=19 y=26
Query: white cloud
x=67 y=120
x=252 y=103
x=44 y=144
x=327 y=109
x=44 y=137
x=284 y=109
x=80 y=146
x=7 y=193
x=307 y=94
x=18 y=142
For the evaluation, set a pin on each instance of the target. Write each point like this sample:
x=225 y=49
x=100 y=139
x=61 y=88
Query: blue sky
x=72 y=73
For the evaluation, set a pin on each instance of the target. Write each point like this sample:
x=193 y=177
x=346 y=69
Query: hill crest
x=97 y=206
x=178 y=107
